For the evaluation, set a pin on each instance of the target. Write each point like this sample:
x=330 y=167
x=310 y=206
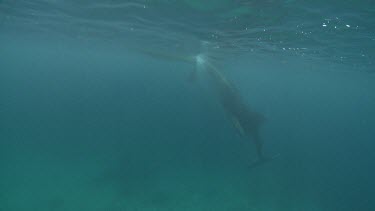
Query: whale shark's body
x=247 y=122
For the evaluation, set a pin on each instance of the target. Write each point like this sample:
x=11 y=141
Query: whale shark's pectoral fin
x=238 y=126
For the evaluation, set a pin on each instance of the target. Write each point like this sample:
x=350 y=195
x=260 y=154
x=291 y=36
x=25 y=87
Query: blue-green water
x=99 y=112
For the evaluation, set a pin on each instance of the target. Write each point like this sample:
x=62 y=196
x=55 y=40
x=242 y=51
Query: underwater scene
x=187 y=105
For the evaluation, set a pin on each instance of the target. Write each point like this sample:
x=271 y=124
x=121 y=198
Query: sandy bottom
x=39 y=182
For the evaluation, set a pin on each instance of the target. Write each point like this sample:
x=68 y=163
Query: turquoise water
x=100 y=110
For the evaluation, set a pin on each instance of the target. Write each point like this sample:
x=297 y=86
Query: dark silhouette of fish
x=247 y=121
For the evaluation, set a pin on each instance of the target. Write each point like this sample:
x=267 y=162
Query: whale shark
x=247 y=121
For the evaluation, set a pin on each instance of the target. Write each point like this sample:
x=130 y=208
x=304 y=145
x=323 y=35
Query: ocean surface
x=111 y=105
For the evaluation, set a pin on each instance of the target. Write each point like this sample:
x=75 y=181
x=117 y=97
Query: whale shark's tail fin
x=263 y=161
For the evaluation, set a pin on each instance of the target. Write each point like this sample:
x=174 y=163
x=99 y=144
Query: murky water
x=105 y=105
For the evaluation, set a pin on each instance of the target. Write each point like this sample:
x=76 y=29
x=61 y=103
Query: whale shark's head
x=200 y=59
x=201 y=62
